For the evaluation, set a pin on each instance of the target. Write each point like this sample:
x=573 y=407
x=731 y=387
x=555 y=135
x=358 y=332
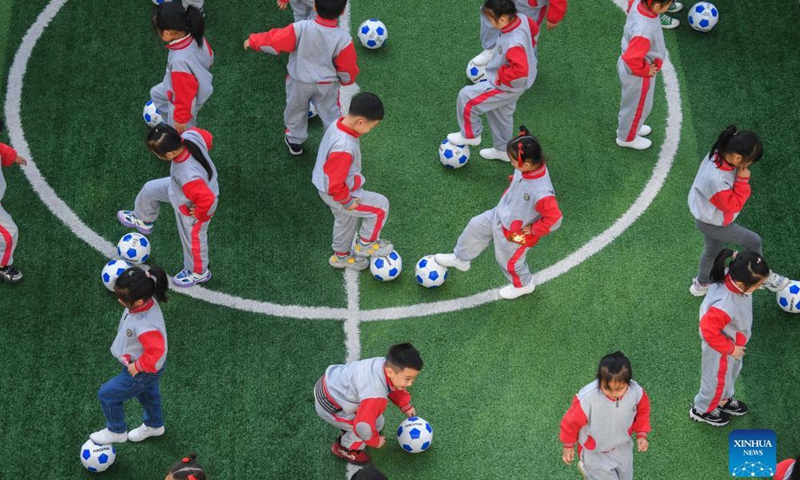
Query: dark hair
x=366 y=105
x=747 y=267
x=330 y=9
x=745 y=143
x=187 y=467
x=2 y=125
x=135 y=284
x=649 y=3
x=172 y=16
x=369 y=473
x=526 y=147
x=498 y=8
x=402 y=356
x=163 y=139
x=614 y=367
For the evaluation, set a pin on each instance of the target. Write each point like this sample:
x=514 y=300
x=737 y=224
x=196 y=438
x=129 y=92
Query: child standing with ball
x=8 y=229
x=601 y=419
x=141 y=348
x=527 y=211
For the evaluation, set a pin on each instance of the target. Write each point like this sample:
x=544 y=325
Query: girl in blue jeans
x=141 y=348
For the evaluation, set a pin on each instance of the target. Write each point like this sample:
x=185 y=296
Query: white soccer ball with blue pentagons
x=415 y=435
x=789 y=298
x=97 y=458
x=151 y=114
x=430 y=274
x=112 y=271
x=386 y=268
x=372 y=33
x=703 y=16
x=134 y=247
x=476 y=73
x=452 y=155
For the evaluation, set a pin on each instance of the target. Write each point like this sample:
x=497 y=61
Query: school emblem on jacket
x=526 y=197
x=128 y=332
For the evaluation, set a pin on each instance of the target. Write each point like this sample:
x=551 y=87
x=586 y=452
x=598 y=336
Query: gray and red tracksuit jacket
x=7 y=158
x=337 y=172
x=319 y=51
x=718 y=193
x=191 y=186
x=784 y=469
x=726 y=317
x=142 y=338
x=188 y=77
x=358 y=393
x=529 y=200
x=601 y=424
x=513 y=67
x=553 y=10
x=642 y=40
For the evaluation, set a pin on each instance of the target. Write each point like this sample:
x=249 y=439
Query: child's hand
x=738 y=352
x=382 y=442
x=21 y=160
x=247 y=42
x=653 y=70
x=281 y=5
x=743 y=172
x=355 y=203
x=411 y=413
x=642 y=444
x=550 y=25
x=568 y=455
x=132 y=369
x=180 y=127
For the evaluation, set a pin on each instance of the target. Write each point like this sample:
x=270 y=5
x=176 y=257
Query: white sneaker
x=510 y=292
x=638 y=143
x=143 y=432
x=698 y=289
x=645 y=130
x=107 y=437
x=483 y=57
x=775 y=283
x=450 y=260
x=494 y=154
x=458 y=139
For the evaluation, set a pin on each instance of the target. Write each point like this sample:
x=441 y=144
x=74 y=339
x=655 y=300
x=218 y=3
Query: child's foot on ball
x=698 y=289
x=107 y=437
x=187 y=278
x=378 y=248
x=734 y=407
x=130 y=220
x=450 y=260
x=10 y=274
x=775 y=283
x=457 y=139
x=143 y=431
x=494 y=154
x=356 y=457
x=348 y=261
x=483 y=57
x=510 y=292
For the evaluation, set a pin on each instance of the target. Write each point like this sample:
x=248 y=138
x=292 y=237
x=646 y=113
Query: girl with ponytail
x=187 y=469
x=141 y=348
x=527 y=212
x=192 y=189
x=719 y=193
x=187 y=82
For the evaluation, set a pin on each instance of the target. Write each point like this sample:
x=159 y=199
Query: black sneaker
x=10 y=274
x=734 y=407
x=715 y=418
x=294 y=148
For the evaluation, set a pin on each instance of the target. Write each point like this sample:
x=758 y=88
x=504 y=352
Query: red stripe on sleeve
x=368 y=412
x=641 y=422
x=184 y=88
x=711 y=326
x=571 y=424
x=634 y=56
x=732 y=201
x=402 y=399
x=550 y=215
x=336 y=167
x=280 y=40
x=782 y=468
x=346 y=64
x=207 y=137
x=516 y=68
x=201 y=196
x=153 y=343
x=7 y=155
x=556 y=10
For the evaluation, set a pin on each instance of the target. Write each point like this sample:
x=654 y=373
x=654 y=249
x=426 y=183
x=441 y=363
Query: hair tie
x=192 y=477
x=733 y=257
x=758 y=260
x=186 y=460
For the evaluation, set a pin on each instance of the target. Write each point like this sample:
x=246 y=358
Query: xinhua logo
x=752 y=453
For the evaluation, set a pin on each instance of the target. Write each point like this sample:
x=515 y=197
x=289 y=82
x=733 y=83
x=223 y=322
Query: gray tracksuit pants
x=499 y=107
x=167 y=109
x=373 y=209
x=636 y=102
x=709 y=380
x=349 y=438
x=326 y=100
x=614 y=465
x=8 y=238
x=509 y=255
x=715 y=239
x=193 y=233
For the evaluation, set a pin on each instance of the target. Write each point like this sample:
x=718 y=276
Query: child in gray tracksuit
x=8 y=229
x=643 y=53
x=510 y=72
x=302 y=9
x=187 y=83
x=321 y=59
x=337 y=176
x=726 y=323
x=527 y=211
x=192 y=189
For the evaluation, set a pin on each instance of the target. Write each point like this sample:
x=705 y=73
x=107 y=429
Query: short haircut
x=369 y=473
x=402 y=356
x=366 y=105
x=330 y=9
x=498 y=8
x=614 y=367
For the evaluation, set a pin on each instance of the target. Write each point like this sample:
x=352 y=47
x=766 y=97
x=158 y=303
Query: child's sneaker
x=457 y=139
x=645 y=130
x=675 y=7
x=483 y=57
x=356 y=457
x=494 y=154
x=775 y=283
x=638 y=143
x=348 y=261
x=667 y=22
x=143 y=432
x=294 y=148
x=734 y=407
x=130 y=220
x=450 y=260
x=698 y=289
x=10 y=274
x=186 y=278
x=107 y=437
x=715 y=418
x=510 y=292
x=378 y=248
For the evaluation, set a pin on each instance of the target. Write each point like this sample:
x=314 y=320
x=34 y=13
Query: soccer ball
x=134 y=247
x=453 y=156
x=386 y=268
x=430 y=274
x=161 y=2
x=789 y=298
x=97 y=458
x=372 y=33
x=414 y=435
x=151 y=115
x=476 y=73
x=112 y=271
x=703 y=16
x=312 y=110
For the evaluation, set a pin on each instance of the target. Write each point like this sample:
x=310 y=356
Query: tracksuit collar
x=183 y=156
x=326 y=22
x=389 y=383
x=144 y=307
x=180 y=43
x=732 y=286
x=341 y=126
x=538 y=173
x=722 y=164
x=511 y=26
x=644 y=10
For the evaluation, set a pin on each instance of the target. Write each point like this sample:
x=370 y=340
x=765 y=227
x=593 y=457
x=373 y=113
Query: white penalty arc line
x=61 y=210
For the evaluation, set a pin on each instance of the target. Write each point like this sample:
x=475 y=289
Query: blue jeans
x=123 y=387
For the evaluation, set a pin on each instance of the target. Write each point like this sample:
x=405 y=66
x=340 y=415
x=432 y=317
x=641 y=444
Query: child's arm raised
x=277 y=40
